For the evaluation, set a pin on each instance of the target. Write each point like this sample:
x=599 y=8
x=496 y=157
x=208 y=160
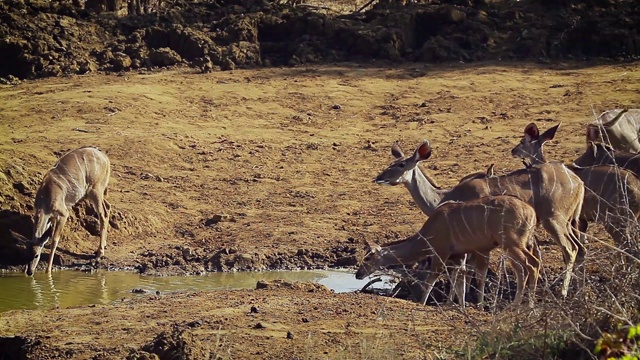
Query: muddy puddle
x=73 y=288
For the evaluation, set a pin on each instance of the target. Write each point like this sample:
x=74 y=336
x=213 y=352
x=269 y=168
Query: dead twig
x=81 y=130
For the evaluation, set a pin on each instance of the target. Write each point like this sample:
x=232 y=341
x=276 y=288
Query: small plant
x=621 y=344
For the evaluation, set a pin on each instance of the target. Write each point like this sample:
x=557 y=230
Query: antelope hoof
x=99 y=254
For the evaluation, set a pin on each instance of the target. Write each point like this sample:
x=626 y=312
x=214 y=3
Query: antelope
x=427 y=195
x=456 y=228
x=612 y=195
x=620 y=128
x=555 y=193
x=81 y=173
x=598 y=153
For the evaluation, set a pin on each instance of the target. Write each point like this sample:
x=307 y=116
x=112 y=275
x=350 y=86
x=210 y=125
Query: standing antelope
x=620 y=128
x=81 y=173
x=612 y=195
x=457 y=228
x=552 y=190
x=598 y=153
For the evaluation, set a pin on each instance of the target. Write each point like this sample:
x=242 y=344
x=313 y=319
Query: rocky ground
x=272 y=169
x=269 y=165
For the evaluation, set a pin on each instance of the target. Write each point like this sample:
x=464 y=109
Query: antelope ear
x=593 y=133
x=531 y=132
x=373 y=247
x=396 y=151
x=423 y=152
x=490 y=170
x=549 y=134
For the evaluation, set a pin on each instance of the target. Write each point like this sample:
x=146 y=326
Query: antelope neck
x=425 y=195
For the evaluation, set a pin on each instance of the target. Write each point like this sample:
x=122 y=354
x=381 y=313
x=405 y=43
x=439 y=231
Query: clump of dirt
x=175 y=344
x=42 y=39
x=296 y=285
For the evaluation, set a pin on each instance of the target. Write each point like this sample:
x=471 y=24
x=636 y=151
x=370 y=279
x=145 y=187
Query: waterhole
x=72 y=288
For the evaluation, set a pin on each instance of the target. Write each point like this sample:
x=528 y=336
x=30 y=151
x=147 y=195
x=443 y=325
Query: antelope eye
x=402 y=165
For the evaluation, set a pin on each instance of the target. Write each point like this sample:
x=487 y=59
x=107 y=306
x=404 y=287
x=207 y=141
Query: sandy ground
x=291 y=174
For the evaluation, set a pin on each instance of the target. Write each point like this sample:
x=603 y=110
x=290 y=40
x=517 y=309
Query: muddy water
x=72 y=288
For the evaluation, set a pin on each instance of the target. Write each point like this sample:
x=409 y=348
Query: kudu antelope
x=599 y=153
x=427 y=195
x=457 y=228
x=612 y=195
x=81 y=173
x=552 y=190
x=620 y=128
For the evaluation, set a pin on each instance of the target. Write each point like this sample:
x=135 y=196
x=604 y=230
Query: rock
x=290 y=335
x=121 y=61
x=178 y=344
x=262 y=284
x=259 y=326
x=52 y=70
x=142 y=355
x=10 y=80
x=254 y=310
x=22 y=188
x=217 y=218
x=164 y=57
x=87 y=66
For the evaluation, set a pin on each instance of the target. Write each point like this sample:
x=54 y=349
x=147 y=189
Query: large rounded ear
x=593 y=133
x=549 y=134
x=396 y=151
x=423 y=152
x=531 y=131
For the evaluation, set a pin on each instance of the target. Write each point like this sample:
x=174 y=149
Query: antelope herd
x=465 y=223
x=474 y=217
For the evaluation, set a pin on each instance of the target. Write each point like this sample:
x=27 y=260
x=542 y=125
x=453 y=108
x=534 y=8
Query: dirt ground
x=271 y=169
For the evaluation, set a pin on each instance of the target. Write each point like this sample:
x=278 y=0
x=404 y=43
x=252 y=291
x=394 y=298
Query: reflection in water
x=73 y=288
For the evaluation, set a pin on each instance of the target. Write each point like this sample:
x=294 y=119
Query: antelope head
x=371 y=263
x=597 y=152
x=530 y=146
x=42 y=232
x=400 y=170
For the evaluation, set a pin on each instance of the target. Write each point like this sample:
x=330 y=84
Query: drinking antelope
x=612 y=195
x=427 y=195
x=456 y=228
x=81 y=173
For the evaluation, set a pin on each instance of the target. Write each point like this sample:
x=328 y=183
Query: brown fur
x=456 y=228
x=81 y=173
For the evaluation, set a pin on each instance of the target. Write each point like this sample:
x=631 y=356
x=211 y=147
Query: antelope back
x=548 y=188
x=481 y=224
x=619 y=128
